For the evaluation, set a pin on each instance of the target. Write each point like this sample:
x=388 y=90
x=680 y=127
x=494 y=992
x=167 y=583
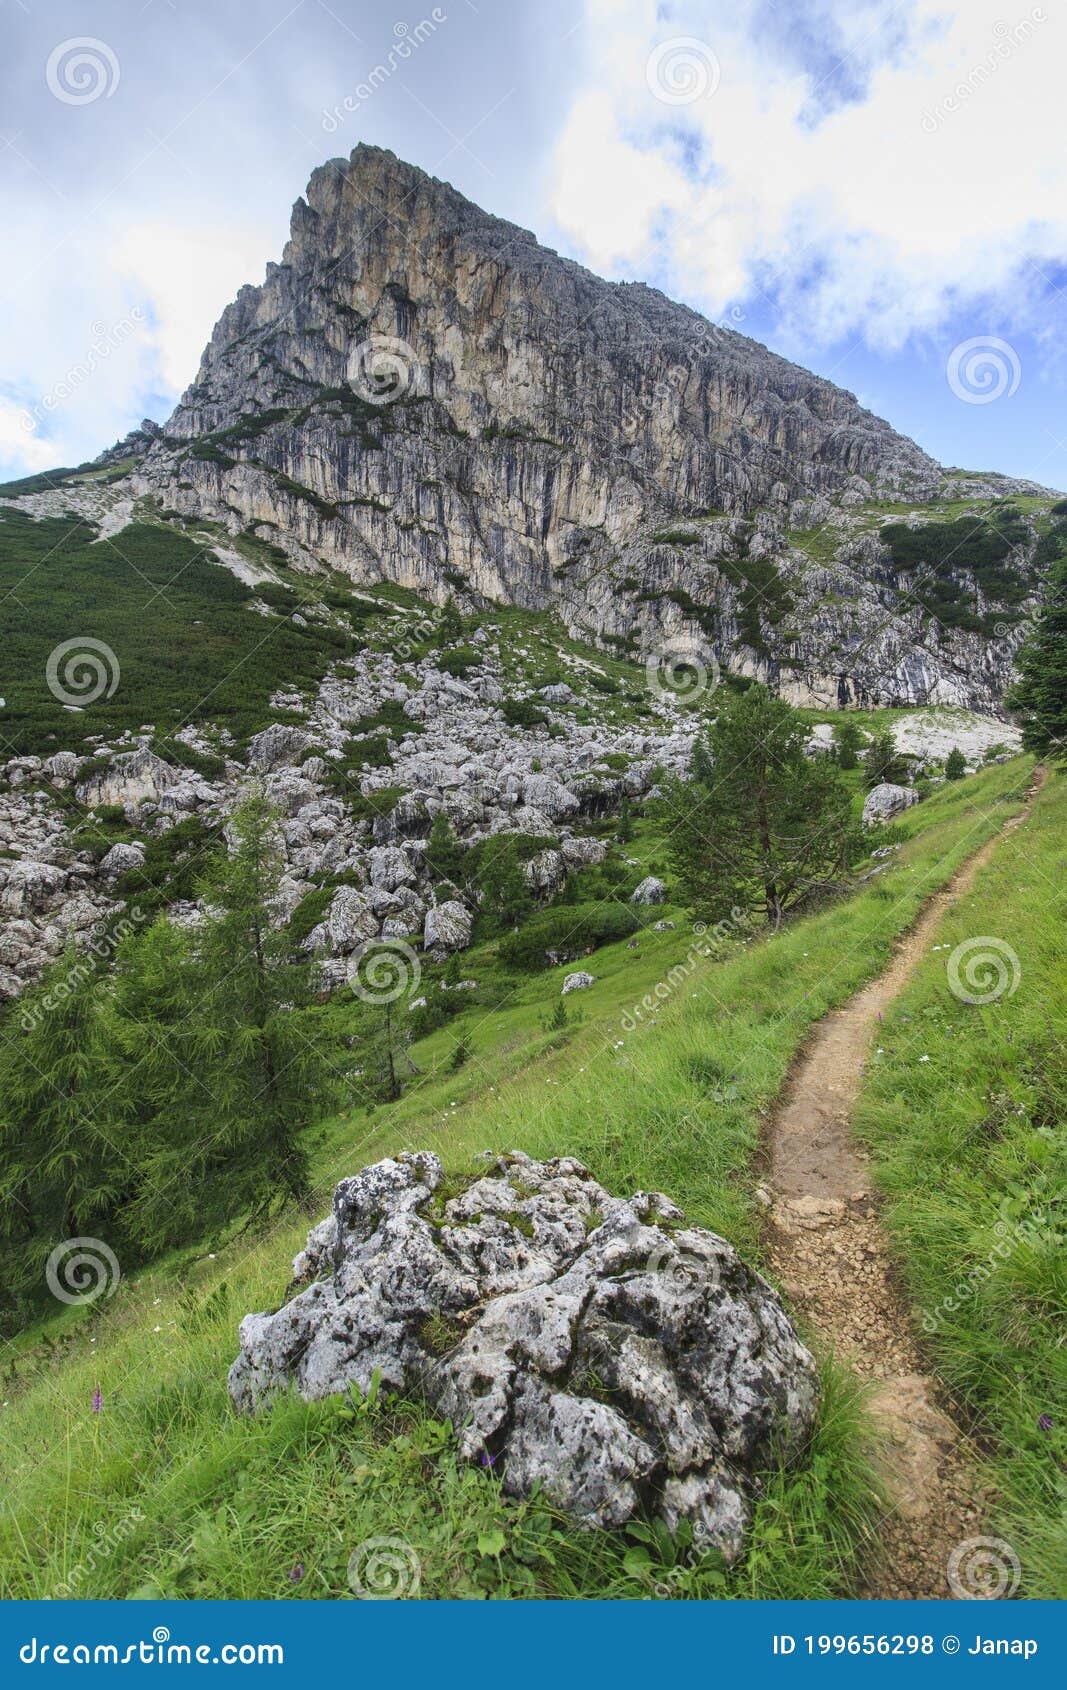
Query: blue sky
x=874 y=188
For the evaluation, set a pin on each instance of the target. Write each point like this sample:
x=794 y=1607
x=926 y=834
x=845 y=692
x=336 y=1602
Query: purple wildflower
x=297 y=1572
x=98 y=1400
x=1045 y=1423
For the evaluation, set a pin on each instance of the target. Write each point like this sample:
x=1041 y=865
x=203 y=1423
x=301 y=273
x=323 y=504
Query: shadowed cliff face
x=421 y=392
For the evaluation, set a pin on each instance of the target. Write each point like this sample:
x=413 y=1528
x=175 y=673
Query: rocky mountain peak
x=422 y=393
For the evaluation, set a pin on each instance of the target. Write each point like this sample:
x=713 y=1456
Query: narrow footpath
x=831 y=1257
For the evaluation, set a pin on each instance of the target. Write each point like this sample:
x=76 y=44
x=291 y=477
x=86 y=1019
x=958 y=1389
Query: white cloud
x=186 y=276
x=872 y=208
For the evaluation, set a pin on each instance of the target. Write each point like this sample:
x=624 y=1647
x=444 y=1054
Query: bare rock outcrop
x=591 y=1345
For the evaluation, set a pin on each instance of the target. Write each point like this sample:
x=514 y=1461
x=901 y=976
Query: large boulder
x=447 y=927
x=276 y=747
x=551 y=797
x=650 y=891
x=390 y=867
x=121 y=858
x=592 y=1346
x=132 y=777
x=886 y=800
x=351 y=920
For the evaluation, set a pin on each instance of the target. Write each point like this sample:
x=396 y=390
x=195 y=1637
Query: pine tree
x=763 y=825
x=881 y=761
x=63 y=1168
x=506 y=896
x=257 y=1065
x=1040 y=692
x=450 y=626
x=444 y=853
x=847 y=741
x=955 y=764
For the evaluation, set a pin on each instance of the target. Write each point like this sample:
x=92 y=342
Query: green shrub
x=566 y=931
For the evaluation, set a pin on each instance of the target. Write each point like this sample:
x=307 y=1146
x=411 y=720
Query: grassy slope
x=165 y=1491
x=970 y=1147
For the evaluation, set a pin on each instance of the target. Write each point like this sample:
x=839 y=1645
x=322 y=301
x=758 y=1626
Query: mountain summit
x=422 y=393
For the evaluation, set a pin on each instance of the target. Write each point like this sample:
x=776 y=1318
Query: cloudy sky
x=875 y=188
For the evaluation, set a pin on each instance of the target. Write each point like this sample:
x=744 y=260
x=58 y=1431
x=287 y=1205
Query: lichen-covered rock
x=447 y=927
x=650 y=891
x=276 y=746
x=121 y=859
x=886 y=800
x=578 y=982
x=593 y=1346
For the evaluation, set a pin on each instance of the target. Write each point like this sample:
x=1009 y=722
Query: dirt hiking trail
x=830 y=1255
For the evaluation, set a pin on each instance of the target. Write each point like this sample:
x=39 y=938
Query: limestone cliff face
x=422 y=393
